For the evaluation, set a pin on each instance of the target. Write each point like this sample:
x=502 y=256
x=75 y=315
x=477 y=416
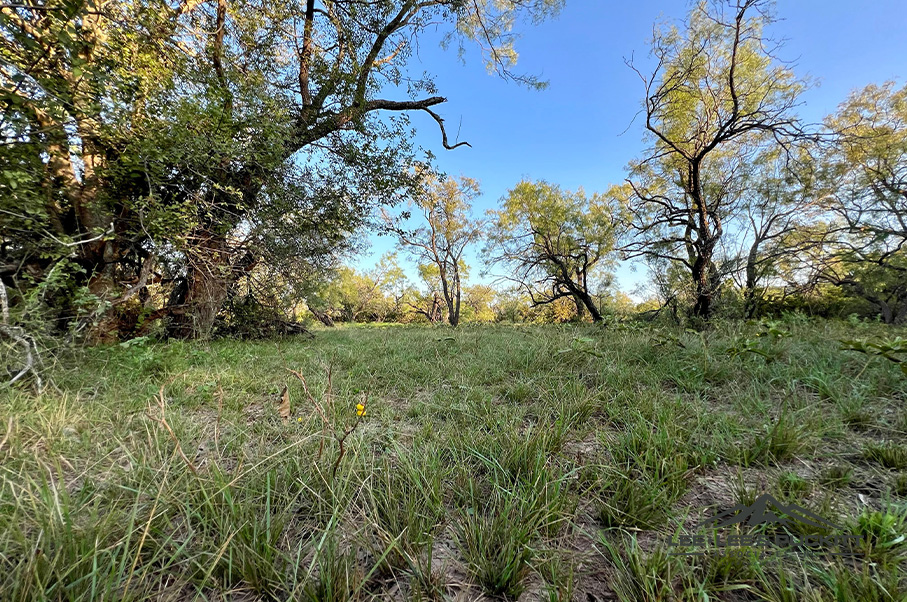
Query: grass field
x=517 y=462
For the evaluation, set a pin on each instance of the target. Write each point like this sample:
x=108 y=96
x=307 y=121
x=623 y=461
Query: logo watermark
x=766 y=529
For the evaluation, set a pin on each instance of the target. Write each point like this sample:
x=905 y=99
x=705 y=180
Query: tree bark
x=209 y=276
x=322 y=317
x=585 y=300
x=705 y=279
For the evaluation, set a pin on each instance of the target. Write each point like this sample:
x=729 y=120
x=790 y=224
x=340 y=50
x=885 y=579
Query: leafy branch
x=894 y=350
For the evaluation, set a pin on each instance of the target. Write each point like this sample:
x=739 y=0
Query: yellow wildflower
x=360 y=409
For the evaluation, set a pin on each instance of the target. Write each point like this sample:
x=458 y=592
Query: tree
x=778 y=223
x=180 y=138
x=363 y=296
x=715 y=97
x=73 y=79
x=479 y=301
x=865 y=174
x=425 y=303
x=326 y=66
x=447 y=230
x=553 y=243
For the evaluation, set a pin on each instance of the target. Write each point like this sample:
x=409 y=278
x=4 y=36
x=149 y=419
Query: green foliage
x=779 y=441
x=792 y=486
x=339 y=578
x=136 y=148
x=887 y=453
x=836 y=476
x=495 y=542
x=883 y=533
x=554 y=243
x=766 y=343
x=865 y=174
x=640 y=577
x=407 y=506
x=893 y=350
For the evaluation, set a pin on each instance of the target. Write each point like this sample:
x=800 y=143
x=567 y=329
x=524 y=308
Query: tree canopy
x=553 y=243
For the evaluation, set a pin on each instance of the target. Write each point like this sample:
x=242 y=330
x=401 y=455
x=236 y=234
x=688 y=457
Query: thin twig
x=9 y=429
x=325 y=423
x=163 y=422
x=347 y=433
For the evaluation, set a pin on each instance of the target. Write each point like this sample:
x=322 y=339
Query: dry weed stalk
x=326 y=425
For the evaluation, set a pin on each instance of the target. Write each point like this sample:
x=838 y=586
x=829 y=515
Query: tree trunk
x=901 y=315
x=451 y=297
x=435 y=310
x=208 y=280
x=322 y=317
x=453 y=316
x=703 y=307
x=751 y=303
x=887 y=314
x=587 y=302
x=580 y=308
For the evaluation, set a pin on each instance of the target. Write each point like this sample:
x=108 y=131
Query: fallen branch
x=21 y=338
x=29 y=348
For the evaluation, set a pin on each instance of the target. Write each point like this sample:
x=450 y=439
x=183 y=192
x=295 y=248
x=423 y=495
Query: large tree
x=553 y=243
x=74 y=78
x=865 y=172
x=163 y=142
x=715 y=97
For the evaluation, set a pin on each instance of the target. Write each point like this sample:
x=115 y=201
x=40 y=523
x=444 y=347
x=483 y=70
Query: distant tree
x=714 y=99
x=447 y=228
x=511 y=305
x=351 y=295
x=553 y=243
x=479 y=300
x=391 y=284
x=615 y=302
x=562 y=309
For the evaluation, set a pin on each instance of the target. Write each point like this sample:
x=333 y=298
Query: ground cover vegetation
x=405 y=462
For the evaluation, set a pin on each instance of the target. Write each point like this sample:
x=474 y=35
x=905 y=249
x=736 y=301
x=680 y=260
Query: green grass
x=887 y=454
x=537 y=461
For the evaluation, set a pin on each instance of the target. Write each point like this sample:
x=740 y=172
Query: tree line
x=201 y=167
x=737 y=206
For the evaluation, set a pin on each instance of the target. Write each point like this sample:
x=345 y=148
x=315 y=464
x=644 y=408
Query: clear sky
x=579 y=132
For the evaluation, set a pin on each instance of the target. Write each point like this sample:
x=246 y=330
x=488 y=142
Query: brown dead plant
x=323 y=408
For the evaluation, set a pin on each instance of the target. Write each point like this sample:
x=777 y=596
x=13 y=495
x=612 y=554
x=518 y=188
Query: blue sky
x=579 y=132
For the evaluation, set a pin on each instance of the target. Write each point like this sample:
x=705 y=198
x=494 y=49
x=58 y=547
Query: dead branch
x=29 y=348
x=347 y=433
x=326 y=423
